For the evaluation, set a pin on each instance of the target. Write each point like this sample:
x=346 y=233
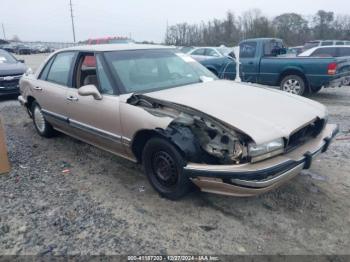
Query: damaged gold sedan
x=159 y=107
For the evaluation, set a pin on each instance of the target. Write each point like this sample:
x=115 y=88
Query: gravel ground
x=104 y=205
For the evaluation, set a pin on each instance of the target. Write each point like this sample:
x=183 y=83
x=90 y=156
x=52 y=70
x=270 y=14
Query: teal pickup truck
x=263 y=61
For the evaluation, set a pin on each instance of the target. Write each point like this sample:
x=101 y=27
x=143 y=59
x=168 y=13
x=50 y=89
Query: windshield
x=143 y=71
x=5 y=57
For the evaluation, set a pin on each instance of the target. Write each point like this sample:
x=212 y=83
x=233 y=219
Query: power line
x=3 y=31
x=72 y=17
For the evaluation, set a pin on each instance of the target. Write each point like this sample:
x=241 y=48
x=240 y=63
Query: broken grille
x=305 y=134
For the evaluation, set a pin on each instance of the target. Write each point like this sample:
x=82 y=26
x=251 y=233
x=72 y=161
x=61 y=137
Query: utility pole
x=72 y=17
x=3 y=30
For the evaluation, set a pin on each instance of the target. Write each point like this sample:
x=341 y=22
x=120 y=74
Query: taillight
x=332 y=68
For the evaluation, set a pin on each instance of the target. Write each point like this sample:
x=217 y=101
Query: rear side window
x=344 y=51
x=45 y=71
x=199 y=51
x=211 y=52
x=273 y=48
x=247 y=50
x=340 y=43
x=60 y=68
x=325 y=52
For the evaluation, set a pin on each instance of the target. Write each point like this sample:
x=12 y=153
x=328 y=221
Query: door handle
x=37 y=88
x=72 y=98
x=250 y=63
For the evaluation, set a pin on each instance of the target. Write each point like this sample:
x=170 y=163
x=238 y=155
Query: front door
x=94 y=121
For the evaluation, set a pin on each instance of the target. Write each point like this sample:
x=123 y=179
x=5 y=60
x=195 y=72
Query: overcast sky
x=49 y=20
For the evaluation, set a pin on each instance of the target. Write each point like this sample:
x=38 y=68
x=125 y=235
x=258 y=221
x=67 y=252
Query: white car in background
x=316 y=43
x=203 y=53
x=327 y=51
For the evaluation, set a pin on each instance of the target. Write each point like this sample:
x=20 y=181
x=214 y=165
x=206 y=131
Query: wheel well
x=140 y=141
x=294 y=72
x=30 y=101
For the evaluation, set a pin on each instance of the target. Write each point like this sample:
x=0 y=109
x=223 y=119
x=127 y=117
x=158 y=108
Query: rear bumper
x=342 y=81
x=252 y=179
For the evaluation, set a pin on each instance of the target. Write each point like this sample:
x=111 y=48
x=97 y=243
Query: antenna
x=3 y=30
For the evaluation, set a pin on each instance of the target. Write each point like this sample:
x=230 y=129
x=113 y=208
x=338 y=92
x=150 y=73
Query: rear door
x=50 y=89
x=95 y=121
x=249 y=61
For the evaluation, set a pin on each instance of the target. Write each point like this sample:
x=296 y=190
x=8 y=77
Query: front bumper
x=252 y=179
x=9 y=92
x=9 y=85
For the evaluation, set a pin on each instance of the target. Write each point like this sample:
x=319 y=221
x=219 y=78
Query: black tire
x=163 y=165
x=316 y=89
x=43 y=128
x=293 y=84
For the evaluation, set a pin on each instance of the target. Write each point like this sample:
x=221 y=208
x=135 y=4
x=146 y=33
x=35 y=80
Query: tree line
x=294 y=29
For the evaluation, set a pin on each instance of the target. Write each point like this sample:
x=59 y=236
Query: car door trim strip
x=87 y=128
x=55 y=115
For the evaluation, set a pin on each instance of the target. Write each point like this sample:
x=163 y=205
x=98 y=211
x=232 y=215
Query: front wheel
x=41 y=125
x=163 y=165
x=293 y=84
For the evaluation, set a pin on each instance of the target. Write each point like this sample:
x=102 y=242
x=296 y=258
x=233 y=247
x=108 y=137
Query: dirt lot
x=105 y=205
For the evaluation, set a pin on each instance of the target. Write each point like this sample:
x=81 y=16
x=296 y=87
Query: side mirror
x=90 y=90
x=21 y=60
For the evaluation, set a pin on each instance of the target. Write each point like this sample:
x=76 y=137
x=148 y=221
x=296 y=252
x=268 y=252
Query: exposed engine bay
x=200 y=137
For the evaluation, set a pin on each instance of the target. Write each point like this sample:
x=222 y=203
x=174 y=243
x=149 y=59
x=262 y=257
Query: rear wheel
x=163 y=165
x=41 y=125
x=293 y=84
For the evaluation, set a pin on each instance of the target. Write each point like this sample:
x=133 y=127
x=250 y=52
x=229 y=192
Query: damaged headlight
x=217 y=140
x=267 y=150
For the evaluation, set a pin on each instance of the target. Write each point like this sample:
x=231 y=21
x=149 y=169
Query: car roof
x=114 y=47
x=331 y=46
x=264 y=39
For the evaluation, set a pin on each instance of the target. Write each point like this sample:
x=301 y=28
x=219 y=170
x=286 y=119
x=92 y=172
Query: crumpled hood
x=262 y=113
x=12 y=69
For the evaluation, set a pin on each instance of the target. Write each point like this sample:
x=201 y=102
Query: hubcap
x=39 y=119
x=292 y=86
x=164 y=168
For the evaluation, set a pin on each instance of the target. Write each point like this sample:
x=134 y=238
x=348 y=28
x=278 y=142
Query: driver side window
x=90 y=71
